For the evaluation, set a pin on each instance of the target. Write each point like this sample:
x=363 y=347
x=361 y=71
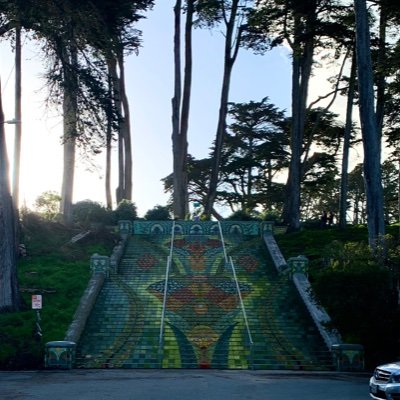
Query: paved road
x=181 y=385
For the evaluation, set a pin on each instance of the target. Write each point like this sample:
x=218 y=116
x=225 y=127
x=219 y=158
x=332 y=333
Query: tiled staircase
x=283 y=333
x=123 y=329
x=204 y=321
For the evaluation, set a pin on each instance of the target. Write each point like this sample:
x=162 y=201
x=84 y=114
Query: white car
x=385 y=382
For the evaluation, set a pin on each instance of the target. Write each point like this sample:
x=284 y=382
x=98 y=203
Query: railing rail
x=223 y=242
x=162 y=323
x=230 y=261
x=241 y=300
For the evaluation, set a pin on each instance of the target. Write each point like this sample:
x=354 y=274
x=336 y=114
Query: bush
x=273 y=216
x=87 y=212
x=158 y=213
x=358 y=295
x=126 y=210
x=242 y=215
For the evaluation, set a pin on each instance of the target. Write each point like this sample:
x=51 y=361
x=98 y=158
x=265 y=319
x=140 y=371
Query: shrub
x=87 y=212
x=158 y=213
x=358 y=295
x=126 y=210
x=242 y=215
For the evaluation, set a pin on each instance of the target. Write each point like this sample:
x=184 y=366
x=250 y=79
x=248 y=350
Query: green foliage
x=242 y=215
x=48 y=204
x=158 y=213
x=126 y=210
x=87 y=212
x=358 y=296
x=311 y=242
x=272 y=216
x=59 y=271
x=355 y=288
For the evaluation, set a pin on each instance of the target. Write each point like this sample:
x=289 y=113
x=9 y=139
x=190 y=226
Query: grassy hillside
x=59 y=271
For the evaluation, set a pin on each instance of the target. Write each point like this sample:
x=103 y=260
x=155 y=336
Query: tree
x=233 y=13
x=125 y=210
x=70 y=110
x=114 y=37
x=390 y=182
x=369 y=127
x=346 y=146
x=304 y=26
x=48 y=203
x=180 y=110
x=158 y=213
x=80 y=38
x=18 y=118
x=9 y=292
x=255 y=150
x=356 y=192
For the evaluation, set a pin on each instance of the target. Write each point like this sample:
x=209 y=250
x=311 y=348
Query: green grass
x=57 y=270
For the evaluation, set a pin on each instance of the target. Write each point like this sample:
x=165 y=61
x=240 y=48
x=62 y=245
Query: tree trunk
x=380 y=74
x=229 y=60
x=301 y=73
x=18 y=118
x=184 y=120
x=109 y=137
x=369 y=128
x=112 y=67
x=109 y=145
x=346 y=147
x=9 y=293
x=69 y=135
x=178 y=184
x=126 y=131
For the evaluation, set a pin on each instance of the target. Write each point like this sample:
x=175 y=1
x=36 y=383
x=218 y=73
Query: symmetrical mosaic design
x=202 y=303
x=197 y=228
x=204 y=323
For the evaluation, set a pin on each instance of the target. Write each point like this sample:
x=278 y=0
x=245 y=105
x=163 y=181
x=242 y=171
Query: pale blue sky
x=150 y=88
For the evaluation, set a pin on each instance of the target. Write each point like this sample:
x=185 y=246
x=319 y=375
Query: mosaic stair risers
x=283 y=332
x=198 y=324
x=281 y=338
x=144 y=263
x=119 y=337
x=216 y=356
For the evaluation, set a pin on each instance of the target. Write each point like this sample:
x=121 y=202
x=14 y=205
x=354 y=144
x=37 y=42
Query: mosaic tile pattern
x=197 y=228
x=131 y=339
x=204 y=324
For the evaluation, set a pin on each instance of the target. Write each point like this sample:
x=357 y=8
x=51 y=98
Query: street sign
x=36 y=302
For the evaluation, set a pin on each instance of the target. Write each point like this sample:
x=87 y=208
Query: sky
x=149 y=79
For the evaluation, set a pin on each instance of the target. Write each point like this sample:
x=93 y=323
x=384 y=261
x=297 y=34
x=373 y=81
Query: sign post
x=37 y=305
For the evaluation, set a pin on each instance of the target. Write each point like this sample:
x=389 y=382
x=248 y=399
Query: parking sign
x=36 y=302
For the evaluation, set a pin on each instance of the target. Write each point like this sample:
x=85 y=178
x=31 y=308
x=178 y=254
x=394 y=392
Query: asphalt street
x=181 y=385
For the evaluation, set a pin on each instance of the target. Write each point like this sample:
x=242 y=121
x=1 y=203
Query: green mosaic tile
x=204 y=322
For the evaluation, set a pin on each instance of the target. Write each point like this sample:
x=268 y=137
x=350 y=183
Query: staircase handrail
x=169 y=261
x=222 y=241
x=230 y=261
x=251 y=343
